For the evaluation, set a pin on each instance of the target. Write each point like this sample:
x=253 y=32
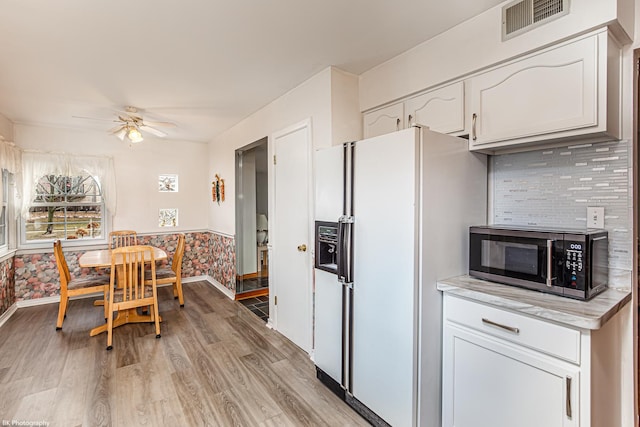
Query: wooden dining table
x=102 y=259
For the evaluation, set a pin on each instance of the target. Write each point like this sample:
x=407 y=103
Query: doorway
x=252 y=223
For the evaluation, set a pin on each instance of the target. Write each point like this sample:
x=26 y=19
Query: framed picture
x=168 y=183
x=168 y=218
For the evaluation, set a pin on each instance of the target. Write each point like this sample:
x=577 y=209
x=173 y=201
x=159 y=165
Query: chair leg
x=156 y=317
x=177 y=289
x=110 y=330
x=106 y=304
x=62 y=310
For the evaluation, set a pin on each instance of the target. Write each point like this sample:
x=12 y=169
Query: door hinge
x=274 y=159
x=275 y=300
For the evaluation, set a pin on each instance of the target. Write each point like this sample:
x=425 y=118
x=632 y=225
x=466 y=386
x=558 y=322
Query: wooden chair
x=132 y=291
x=70 y=287
x=173 y=275
x=120 y=238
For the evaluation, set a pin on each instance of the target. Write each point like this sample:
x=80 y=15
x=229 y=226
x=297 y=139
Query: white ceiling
x=202 y=64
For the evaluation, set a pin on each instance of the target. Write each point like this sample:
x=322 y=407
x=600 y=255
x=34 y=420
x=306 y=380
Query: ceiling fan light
x=121 y=134
x=134 y=135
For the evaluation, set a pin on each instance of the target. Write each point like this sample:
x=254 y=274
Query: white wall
x=311 y=99
x=6 y=129
x=137 y=168
x=346 y=120
x=476 y=44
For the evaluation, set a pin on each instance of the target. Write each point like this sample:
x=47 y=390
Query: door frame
x=273 y=212
x=636 y=232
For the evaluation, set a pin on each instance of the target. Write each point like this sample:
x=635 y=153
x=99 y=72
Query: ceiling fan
x=131 y=124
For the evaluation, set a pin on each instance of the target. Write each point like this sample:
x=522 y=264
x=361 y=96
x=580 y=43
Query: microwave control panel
x=573 y=264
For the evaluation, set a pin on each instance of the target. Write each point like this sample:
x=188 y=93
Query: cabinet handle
x=501 y=326
x=409 y=121
x=398 y=123
x=474 y=118
x=568 y=391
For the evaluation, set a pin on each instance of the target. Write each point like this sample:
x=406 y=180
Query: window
x=4 y=209
x=67 y=208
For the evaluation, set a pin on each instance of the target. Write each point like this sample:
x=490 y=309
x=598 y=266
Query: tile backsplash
x=553 y=188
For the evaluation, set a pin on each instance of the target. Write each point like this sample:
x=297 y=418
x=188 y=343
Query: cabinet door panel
x=384 y=120
x=442 y=110
x=553 y=91
x=487 y=383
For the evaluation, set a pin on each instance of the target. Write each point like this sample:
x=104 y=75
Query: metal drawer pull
x=501 y=326
x=568 y=405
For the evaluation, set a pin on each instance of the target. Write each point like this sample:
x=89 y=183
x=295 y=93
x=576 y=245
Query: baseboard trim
x=7 y=314
x=219 y=286
x=252 y=294
x=42 y=301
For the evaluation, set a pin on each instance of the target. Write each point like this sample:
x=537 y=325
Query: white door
x=290 y=289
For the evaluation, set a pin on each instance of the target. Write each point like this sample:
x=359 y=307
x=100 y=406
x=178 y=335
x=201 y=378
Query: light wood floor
x=216 y=364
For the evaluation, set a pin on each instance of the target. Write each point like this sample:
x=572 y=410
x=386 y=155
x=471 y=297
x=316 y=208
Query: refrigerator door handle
x=341 y=251
x=345 y=266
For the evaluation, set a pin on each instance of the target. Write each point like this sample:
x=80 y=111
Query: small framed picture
x=168 y=183
x=168 y=218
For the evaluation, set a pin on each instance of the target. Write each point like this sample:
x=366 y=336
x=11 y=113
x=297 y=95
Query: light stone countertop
x=591 y=314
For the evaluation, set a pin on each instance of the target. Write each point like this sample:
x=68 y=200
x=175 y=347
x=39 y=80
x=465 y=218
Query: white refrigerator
x=402 y=204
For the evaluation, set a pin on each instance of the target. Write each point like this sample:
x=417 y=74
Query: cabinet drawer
x=539 y=335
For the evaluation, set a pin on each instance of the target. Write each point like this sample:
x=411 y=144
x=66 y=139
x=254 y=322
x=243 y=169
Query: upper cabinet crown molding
x=569 y=91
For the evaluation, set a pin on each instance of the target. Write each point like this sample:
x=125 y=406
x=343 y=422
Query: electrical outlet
x=595 y=217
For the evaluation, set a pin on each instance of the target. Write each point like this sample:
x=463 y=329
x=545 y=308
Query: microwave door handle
x=550 y=263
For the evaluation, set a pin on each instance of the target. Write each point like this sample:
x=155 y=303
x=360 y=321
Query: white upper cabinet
x=385 y=120
x=442 y=110
x=568 y=91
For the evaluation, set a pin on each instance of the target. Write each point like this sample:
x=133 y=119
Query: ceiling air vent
x=524 y=15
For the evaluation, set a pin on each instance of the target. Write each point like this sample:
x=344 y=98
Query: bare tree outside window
x=66 y=207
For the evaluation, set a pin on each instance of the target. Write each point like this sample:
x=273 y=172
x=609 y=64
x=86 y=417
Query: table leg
x=123 y=317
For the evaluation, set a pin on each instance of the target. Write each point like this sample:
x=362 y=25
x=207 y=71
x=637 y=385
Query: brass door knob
x=302 y=248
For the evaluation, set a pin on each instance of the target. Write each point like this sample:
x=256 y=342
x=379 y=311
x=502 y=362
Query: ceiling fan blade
x=94 y=118
x=116 y=129
x=132 y=112
x=159 y=124
x=119 y=131
x=152 y=131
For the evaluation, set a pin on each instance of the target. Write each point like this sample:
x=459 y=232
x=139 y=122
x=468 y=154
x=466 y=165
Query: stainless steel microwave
x=570 y=263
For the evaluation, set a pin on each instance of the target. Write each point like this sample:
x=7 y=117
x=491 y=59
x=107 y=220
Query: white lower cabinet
x=493 y=384
x=504 y=369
